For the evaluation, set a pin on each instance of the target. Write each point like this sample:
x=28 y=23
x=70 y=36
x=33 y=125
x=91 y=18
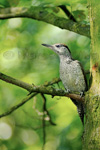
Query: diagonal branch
x=12 y=109
x=67 y=12
x=18 y=82
x=41 y=14
x=24 y=85
x=41 y=89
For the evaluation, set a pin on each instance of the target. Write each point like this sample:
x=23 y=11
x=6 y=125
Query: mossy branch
x=42 y=88
x=37 y=89
x=42 y=14
x=12 y=109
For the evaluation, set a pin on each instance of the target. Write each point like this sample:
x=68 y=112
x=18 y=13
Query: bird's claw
x=68 y=91
x=81 y=94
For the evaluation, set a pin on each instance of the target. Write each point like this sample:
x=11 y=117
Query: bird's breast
x=72 y=76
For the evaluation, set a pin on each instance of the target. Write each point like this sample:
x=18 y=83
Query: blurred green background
x=23 y=57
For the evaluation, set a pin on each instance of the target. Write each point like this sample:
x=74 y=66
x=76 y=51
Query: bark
x=34 y=90
x=42 y=14
x=43 y=88
x=91 y=138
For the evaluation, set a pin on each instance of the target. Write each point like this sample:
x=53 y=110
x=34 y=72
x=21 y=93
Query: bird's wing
x=83 y=74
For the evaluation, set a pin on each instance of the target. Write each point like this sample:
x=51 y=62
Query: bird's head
x=60 y=49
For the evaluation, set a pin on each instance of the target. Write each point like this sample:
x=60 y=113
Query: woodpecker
x=71 y=74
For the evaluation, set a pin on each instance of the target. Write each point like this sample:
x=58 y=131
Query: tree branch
x=12 y=109
x=67 y=12
x=28 y=86
x=25 y=85
x=8 y=79
x=46 y=110
x=41 y=89
x=41 y=14
x=43 y=122
x=14 y=81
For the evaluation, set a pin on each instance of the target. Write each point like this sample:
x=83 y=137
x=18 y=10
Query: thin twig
x=46 y=110
x=43 y=121
x=12 y=109
x=41 y=89
x=67 y=12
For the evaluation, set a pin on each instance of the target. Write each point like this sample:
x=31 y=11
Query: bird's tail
x=80 y=109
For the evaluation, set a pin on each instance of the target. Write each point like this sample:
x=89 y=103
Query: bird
x=71 y=74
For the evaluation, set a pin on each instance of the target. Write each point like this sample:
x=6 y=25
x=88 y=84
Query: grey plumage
x=71 y=74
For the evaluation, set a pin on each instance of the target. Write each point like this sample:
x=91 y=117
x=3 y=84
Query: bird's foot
x=68 y=90
x=81 y=94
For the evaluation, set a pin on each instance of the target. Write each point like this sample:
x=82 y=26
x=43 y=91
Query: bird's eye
x=57 y=45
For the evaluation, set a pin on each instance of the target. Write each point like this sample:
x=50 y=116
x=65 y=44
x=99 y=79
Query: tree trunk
x=91 y=137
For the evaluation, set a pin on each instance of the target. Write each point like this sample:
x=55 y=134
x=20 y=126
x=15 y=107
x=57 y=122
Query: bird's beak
x=49 y=46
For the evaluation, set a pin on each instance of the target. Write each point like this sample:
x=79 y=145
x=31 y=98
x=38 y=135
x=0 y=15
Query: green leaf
x=79 y=15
